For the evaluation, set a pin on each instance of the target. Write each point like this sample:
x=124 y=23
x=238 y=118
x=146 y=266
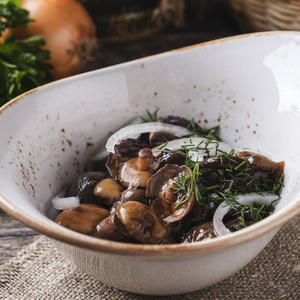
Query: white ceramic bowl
x=249 y=85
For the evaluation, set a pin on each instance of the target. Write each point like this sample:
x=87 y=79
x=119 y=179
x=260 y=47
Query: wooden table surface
x=217 y=23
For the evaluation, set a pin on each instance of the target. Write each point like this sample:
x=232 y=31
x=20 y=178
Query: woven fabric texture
x=38 y=272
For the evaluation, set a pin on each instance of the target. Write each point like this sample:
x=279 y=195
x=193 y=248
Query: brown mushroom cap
x=264 y=163
x=84 y=218
x=110 y=229
x=158 y=138
x=167 y=202
x=127 y=149
x=109 y=190
x=131 y=176
x=83 y=187
x=138 y=195
x=170 y=158
x=199 y=213
x=200 y=233
x=142 y=223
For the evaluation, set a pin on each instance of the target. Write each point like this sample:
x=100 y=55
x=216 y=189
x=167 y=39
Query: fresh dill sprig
x=163 y=148
x=241 y=218
x=193 y=127
x=257 y=211
x=183 y=184
x=152 y=117
x=180 y=184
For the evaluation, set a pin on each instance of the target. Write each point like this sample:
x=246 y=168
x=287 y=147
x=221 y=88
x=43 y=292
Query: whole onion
x=68 y=30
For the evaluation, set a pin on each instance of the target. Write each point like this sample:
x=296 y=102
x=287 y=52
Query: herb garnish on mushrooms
x=196 y=188
x=234 y=177
x=181 y=184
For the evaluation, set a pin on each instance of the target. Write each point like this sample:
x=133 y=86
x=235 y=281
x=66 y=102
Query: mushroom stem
x=145 y=159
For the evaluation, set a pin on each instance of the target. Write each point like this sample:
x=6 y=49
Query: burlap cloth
x=39 y=272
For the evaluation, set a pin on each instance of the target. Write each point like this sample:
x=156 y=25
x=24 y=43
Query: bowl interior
x=248 y=85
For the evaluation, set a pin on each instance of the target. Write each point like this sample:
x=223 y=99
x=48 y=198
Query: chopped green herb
x=241 y=218
x=180 y=185
x=12 y=15
x=183 y=184
x=22 y=62
x=152 y=117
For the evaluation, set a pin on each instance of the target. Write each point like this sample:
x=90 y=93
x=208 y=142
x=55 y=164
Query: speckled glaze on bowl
x=249 y=85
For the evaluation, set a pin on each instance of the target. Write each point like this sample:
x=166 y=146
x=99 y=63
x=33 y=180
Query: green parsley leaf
x=22 y=67
x=12 y=15
x=22 y=62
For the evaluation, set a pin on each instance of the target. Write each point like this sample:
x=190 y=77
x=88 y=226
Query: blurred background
x=42 y=41
x=130 y=29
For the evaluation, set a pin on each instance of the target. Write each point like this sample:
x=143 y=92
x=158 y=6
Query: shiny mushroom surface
x=131 y=176
x=200 y=233
x=110 y=228
x=173 y=191
x=83 y=218
x=109 y=190
x=135 y=172
x=83 y=187
x=142 y=223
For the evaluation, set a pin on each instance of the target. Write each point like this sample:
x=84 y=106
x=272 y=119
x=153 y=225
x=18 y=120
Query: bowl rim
x=91 y=243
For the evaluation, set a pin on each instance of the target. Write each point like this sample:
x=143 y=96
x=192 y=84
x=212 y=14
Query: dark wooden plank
x=14 y=236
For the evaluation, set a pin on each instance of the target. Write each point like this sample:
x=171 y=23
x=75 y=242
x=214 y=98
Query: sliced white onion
x=133 y=130
x=62 y=203
x=196 y=156
x=210 y=147
x=223 y=209
x=101 y=152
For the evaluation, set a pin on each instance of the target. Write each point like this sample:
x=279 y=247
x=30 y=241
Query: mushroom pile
x=165 y=182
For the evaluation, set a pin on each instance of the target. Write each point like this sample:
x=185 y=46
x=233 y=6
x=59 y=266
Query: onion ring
x=128 y=131
x=223 y=209
x=210 y=147
x=62 y=203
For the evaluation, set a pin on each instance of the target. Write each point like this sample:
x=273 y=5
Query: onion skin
x=68 y=30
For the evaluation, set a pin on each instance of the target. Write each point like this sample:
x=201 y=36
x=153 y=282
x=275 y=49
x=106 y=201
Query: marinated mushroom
x=110 y=228
x=170 y=158
x=138 y=195
x=83 y=218
x=142 y=223
x=127 y=149
x=159 y=138
x=175 y=196
x=145 y=159
x=135 y=172
x=109 y=190
x=83 y=187
x=263 y=163
x=200 y=233
x=199 y=213
x=172 y=190
x=236 y=224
